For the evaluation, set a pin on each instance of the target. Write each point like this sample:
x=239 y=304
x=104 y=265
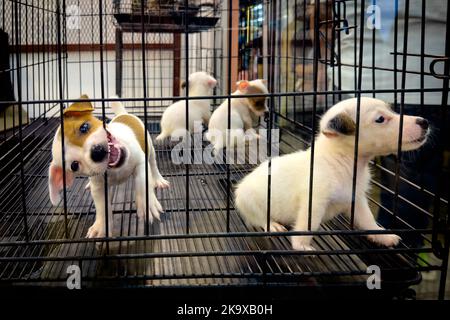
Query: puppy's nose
x=423 y=123
x=98 y=153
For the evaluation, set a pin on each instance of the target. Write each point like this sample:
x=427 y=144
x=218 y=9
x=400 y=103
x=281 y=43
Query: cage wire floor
x=204 y=261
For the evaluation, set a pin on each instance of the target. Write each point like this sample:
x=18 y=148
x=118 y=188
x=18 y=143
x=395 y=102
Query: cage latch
x=433 y=71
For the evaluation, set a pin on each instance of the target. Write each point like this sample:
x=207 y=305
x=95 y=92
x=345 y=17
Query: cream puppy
x=173 y=121
x=333 y=172
x=90 y=150
x=243 y=113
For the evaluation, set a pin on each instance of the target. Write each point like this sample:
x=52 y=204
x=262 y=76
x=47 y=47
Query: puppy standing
x=244 y=111
x=90 y=150
x=333 y=172
x=173 y=121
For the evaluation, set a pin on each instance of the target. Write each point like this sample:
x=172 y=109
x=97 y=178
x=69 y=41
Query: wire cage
x=312 y=54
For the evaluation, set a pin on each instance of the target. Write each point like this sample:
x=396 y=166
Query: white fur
x=332 y=177
x=242 y=117
x=134 y=166
x=173 y=120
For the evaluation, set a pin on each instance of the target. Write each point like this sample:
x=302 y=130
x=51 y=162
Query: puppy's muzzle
x=425 y=126
x=99 y=152
x=423 y=123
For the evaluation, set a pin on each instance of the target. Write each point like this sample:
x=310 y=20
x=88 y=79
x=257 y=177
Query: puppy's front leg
x=154 y=206
x=364 y=220
x=319 y=207
x=250 y=132
x=159 y=181
x=98 y=229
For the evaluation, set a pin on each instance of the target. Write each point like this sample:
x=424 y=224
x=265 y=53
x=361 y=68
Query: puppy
x=333 y=172
x=90 y=150
x=243 y=113
x=173 y=121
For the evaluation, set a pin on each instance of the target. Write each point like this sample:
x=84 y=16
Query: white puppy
x=244 y=112
x=333 y=172
x=90 y=150
x=173 y=121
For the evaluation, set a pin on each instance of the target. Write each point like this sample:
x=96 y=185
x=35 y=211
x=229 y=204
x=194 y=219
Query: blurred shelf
x=167 y=20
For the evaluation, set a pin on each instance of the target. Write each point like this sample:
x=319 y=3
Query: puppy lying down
x=90 y=150
x=333 y=172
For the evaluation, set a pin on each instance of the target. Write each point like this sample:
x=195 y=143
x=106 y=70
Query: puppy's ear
x=340 y=124
x=183 y=84
x=243 y=85
x=56 y=182
x=212 y=82
x=79 y=108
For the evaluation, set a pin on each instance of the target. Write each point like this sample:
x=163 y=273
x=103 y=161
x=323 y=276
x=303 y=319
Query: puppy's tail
x=117 y=106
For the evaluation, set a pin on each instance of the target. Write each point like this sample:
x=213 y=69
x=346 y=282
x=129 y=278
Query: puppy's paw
x=301 y=244
x=158 y=206
x=251 y=134
x=253 y=137
x=97 y=230
x=276 y=227
x=154 y=211
x=387 y=240
x=162 y=183
x=141 y=213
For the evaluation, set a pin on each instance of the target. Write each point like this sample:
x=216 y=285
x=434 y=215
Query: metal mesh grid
x=211 y=256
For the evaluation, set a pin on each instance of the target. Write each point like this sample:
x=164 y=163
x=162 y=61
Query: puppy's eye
x=74 y=166
x=84 y=128
x=380 y=119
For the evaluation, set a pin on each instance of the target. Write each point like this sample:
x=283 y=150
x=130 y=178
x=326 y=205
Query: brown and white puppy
x=333 y=172
x=90 y=150
x=244 y=112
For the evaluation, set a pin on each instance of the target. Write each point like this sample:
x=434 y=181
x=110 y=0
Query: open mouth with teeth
x=116 y=154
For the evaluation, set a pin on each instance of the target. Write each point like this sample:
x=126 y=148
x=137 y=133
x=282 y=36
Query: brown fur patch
x=342 y=123
x=72 y=126
x=77 y=108
x=135 y=125
x=76 y=115
x=258 y=103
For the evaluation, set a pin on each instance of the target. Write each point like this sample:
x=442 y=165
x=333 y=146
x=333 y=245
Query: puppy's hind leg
x=252 y=212
x=276 y=227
